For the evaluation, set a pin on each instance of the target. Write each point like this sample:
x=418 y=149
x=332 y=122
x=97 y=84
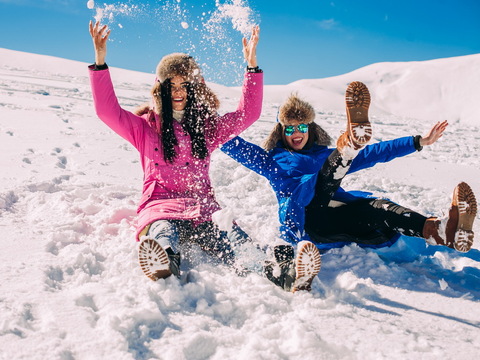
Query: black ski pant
x=207 y=235
x=363 y=221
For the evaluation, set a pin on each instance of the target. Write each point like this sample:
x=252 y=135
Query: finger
x=257 y=33
x=107 y=35
x=254 y=35
x=438 y=126
x=94 y=28
x=443 y=123
x=441 y=128
x=102 y=30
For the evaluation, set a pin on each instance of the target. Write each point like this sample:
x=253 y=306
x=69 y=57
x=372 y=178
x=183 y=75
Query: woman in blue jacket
x=305 y=175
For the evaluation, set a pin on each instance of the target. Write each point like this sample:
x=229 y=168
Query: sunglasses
x=290 y=129
x=183 y=86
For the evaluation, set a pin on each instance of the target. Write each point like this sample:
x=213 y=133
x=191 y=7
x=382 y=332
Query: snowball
x=443 y=284
x=184 y=25
x=223 y=218
x=90 y=4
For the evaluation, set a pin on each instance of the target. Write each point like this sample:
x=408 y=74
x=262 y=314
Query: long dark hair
x=193 y=123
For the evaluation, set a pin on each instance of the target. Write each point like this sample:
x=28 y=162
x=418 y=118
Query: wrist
x=96 y=67
x=99 y=59
x=418 y=142
x=252 y=63
x=254 y=69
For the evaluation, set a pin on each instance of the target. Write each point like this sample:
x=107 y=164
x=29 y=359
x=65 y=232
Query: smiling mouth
x=177 y=99
x=297 y=141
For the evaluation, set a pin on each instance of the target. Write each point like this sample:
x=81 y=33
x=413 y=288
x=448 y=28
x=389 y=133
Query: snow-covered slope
x=427 y=90
x=71 y=287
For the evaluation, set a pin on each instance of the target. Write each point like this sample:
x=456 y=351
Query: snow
x=209 y=31
x=72 y=289
x=237 y=12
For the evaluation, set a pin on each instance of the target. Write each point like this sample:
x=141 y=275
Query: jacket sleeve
x=382 y=152
x=248 y=111
x=249 y=155
x=123 y=122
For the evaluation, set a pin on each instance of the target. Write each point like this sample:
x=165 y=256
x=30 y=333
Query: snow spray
x=211 y=32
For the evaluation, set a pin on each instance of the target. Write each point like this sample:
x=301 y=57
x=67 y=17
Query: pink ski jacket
x=180 y=190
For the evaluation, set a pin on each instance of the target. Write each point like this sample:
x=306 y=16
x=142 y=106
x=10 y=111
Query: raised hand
x=434 y=134
x=250 y=47
x=99 y=36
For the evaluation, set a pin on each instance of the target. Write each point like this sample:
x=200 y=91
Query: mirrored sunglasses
x=290 y=129
x=183 y=86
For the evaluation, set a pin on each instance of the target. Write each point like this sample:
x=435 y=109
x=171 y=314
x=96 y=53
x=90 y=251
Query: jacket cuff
x=96 y=67
x=255 y=69
x=416 y=143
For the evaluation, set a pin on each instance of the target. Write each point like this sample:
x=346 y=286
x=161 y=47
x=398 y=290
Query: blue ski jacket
x=293 y=174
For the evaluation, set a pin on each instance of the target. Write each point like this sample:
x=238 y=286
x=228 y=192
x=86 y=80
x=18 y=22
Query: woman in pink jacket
x=175 y=137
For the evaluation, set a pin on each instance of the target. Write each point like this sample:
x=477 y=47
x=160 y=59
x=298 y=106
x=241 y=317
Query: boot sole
x=307 y=265
x=153 y=260
x=464 y=200
x=357 y=99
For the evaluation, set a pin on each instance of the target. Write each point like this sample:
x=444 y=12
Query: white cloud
x=328 y=24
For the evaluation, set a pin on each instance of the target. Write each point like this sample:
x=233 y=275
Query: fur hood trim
x=295 y=108
x=179 y=64
x=185 y=66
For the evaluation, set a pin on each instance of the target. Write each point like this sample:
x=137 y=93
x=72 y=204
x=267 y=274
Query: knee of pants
x=166 y=234
x=390 y=206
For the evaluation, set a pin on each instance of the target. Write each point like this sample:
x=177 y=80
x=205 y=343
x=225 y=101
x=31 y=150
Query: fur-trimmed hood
x=185 y=66
x=179 y=64
x=296 y=109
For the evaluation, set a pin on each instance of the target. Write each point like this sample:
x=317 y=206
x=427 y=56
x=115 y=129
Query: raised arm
x=250 y=47
x=381 y=152
x=249 y=155
x=124 y=123
x=388 y=150
x=250 y=105
x=99 y=36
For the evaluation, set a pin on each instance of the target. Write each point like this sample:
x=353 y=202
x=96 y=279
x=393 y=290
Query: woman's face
x=297 y=140
x=178 y=88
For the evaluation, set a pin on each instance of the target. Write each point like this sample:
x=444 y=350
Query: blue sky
x=299 y=39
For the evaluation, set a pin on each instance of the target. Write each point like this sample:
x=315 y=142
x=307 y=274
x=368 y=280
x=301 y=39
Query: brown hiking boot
x=359 y=129
x=294 y=273
x=307 y=265
x=456 y=230
x=357 y=99
x=157 y=262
